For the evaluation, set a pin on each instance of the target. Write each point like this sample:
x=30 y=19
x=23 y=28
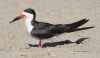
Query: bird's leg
x=40 y=43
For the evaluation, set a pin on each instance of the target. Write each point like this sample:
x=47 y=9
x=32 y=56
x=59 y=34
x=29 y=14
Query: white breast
x=29 y=26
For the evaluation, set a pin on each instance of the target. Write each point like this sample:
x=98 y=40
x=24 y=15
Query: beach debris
x=24 y=54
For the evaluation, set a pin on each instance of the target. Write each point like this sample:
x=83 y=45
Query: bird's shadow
x=53 y=44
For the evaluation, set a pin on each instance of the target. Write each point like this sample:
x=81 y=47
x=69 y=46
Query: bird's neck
x=28 y=23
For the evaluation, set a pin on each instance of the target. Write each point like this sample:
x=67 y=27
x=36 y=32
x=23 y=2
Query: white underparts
x=28 y=19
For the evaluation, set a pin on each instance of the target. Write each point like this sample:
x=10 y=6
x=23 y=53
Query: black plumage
x=44 y=30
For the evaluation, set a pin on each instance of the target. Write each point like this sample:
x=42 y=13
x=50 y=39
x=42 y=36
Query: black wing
x=46 y=30
x=42 y=30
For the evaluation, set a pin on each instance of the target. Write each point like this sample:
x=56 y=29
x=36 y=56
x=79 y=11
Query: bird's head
x=27 y=13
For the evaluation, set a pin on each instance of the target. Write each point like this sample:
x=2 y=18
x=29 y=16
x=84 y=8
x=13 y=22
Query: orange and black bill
x=17 y=18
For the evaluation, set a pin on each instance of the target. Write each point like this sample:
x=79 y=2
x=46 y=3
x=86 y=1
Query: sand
x=16 y=43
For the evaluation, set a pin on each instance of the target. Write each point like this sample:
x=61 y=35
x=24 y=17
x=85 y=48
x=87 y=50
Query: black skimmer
x=43 y=30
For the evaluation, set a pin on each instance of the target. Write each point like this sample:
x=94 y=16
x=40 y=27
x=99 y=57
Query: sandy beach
x=16 y=43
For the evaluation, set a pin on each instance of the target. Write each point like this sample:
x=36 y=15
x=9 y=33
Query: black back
x=44 y=30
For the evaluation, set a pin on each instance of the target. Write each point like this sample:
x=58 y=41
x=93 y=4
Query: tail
x=60 y=28
x=76 y=24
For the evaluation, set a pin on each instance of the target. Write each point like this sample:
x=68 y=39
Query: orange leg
x=40 y=44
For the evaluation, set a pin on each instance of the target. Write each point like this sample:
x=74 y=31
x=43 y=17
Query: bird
x=44 y=30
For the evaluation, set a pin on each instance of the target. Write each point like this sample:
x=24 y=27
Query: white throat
x=29 y=18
